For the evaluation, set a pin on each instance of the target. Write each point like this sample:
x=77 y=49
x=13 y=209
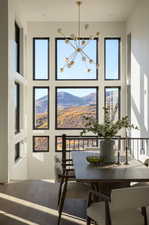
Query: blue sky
x=40 y=92
x=41 y=62
x=112 y=59
x=79 y=70
x=79 y=92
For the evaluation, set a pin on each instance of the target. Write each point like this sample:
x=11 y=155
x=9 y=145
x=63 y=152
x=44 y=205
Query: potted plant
x=107 y=131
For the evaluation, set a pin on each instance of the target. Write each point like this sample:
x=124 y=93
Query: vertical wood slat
x=63 y=150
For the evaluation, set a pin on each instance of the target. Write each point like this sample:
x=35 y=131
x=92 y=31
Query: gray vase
x=107 y=151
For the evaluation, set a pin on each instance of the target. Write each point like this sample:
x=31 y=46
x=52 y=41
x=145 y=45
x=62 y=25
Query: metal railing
x=126 y=148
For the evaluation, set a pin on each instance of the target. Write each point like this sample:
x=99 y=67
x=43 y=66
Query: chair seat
x=77 y=190
x=128 y=217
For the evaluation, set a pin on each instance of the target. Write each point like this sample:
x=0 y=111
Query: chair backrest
x=129 y=198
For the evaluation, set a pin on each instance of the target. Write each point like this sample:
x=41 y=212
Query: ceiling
x=66 y=10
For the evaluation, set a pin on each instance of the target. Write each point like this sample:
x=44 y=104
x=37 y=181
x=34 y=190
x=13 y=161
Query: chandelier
x=78 y=45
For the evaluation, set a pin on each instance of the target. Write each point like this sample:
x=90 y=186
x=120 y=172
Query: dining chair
x=60 y=174
x=126 y=206
x=138 y=184
x=69 y=187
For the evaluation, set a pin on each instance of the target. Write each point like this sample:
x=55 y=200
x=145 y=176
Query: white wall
x=41 y=165
x=4 y=91
x=17 y=170
x=138 y=26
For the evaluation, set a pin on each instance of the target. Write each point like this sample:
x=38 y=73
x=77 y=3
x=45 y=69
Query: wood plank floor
x=34 y=203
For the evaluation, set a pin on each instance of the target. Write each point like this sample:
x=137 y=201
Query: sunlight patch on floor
x=41 y=208
x=18 y=218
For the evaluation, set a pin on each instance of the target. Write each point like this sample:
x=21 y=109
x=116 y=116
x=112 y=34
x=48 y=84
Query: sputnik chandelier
x=78 y=45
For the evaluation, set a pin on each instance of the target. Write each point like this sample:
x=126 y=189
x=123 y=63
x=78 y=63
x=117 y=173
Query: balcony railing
x=126 y=148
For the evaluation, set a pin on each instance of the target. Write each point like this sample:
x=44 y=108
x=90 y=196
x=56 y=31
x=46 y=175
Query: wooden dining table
x=108 y=175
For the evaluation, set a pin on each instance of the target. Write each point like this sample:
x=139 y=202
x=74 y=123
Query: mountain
x=41 y=104
x=90 y=99
x=65 y=100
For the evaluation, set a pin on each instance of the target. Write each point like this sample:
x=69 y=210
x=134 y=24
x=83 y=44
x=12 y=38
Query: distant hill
x=65 y=100
x=41 y=104
x=90 y=99
x=72 y=117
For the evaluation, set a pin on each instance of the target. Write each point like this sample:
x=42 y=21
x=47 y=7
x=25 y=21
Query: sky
x=40 y=92
x=79 y=92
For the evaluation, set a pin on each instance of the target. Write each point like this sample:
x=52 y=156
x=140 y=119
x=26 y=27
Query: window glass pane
x=112 y=61
x=17 y=151
x=73 y=104
x=17 y=48
x=40 y=144
x=41 y=108
x=41 y=56
x=17 y=107
x=80 y=67
x=112 y=101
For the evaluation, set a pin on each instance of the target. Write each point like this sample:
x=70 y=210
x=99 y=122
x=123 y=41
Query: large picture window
x=40 y=108
x=112 y=101
x=17 y=108
x=72 y=103
x=112 y=58
x=79 y=71
x=41 y=58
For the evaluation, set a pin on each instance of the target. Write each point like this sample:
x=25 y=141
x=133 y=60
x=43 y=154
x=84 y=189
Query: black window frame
x=17 y=109
x=34 y=53
x=119 y=98
x=17 y=152
x=75 y=87
x=33 y=113
x=119 y=57
x=17 y=40
x=97 y=59
x=33 y=143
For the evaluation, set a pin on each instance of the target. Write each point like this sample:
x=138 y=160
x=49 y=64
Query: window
x=79 y=69
x=112 y=101
x=72 y=103
x=112 y=59
x=40 y=144
x=41 y=58
x=17 y=108
x=17 y=47
x=41 y=108
x=17 y=151
x=76 y=143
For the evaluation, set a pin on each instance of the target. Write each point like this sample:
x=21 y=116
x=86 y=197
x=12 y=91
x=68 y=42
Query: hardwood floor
x=34 y=203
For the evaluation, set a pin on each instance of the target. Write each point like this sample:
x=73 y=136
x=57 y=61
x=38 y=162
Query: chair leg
x=61 y=204
x=88 y=221
x=143 y=209
x=60 y=191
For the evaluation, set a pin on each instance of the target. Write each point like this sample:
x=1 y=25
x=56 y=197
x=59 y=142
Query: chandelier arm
x=72 y=45
x=86 y=55
x=86 y=44
x=73 y=55
x=85 y=63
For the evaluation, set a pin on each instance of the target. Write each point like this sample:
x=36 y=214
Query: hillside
x=73 y=117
